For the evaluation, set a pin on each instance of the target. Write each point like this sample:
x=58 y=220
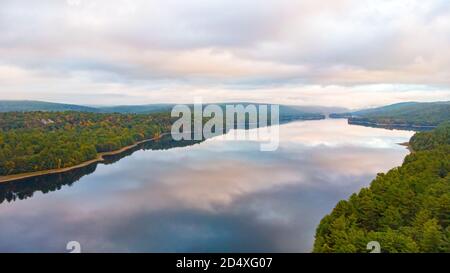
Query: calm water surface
x=217 y=195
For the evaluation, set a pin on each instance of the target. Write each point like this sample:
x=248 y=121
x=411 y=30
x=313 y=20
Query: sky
x=349 y=53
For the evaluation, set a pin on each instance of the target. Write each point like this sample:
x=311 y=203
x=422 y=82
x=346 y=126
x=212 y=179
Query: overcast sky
x=352 y=53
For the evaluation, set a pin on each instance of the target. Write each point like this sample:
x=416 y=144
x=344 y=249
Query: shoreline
x=390 y=125
x=99 y=158
x=407 y=145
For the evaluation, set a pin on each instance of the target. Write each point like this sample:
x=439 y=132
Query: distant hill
x=29 y=105
x=287 y=112
x=150 y=108
x=407 y=114
x=137 y=109
x=326 y=110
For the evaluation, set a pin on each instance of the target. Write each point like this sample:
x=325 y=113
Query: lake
x=214 y=196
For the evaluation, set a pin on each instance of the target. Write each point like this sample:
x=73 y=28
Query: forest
x=405 y=210
x=35 y=141
x=407 y=114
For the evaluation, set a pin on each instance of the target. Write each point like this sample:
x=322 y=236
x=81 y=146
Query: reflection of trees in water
x=25 y=188
x=165 y=143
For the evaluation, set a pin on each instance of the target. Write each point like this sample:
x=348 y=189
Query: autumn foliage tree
x=34 y=141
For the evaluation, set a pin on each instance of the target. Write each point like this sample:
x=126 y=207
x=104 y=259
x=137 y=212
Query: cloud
x=155 y=46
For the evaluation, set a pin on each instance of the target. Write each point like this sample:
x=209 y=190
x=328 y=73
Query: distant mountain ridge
x=287 y=112
x=30 y=105
x=149 y=108
x=138 y=109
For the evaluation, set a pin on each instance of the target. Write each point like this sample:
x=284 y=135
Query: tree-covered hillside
x=34 y=141
x=403 y=114
x=405 y=210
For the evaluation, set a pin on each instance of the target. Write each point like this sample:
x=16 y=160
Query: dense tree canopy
x=405 y=210
x=429 y=140
x=34 y=141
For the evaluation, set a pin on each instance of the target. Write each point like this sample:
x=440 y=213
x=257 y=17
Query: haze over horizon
x=345 y=53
